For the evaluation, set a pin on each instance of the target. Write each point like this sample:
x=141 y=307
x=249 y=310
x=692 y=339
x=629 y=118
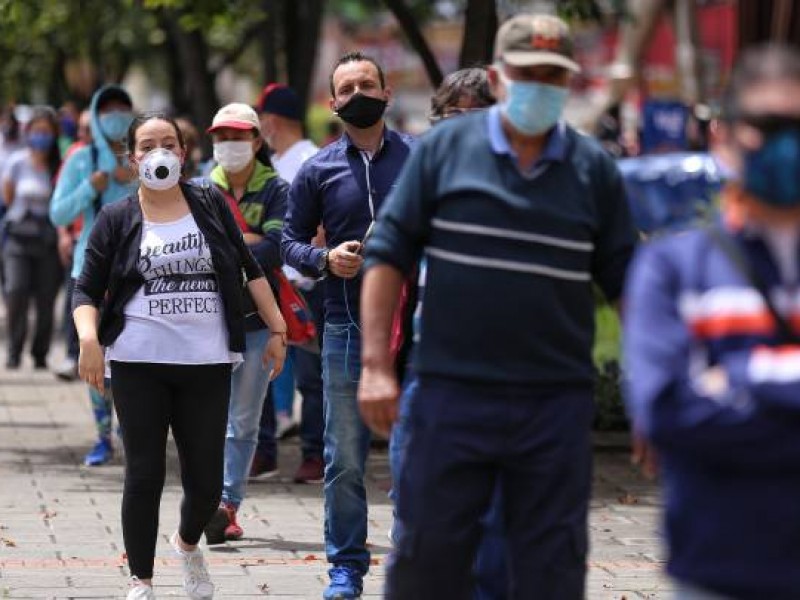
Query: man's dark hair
x=759 y=64
x=473 y=83
x=356 y=56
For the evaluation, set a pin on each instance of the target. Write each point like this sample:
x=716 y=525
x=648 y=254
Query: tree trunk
x=57 y=82
x=269 y=41
x=177 y=88
x=768 y=20
x=480 y=26
x=411 y=28
x=198 y=81
x=304 y=18
x=687 y=52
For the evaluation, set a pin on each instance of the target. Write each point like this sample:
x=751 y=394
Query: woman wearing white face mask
x=257 y=199
x=168 y=262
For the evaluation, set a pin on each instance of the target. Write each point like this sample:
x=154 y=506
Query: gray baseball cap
x=528 y=40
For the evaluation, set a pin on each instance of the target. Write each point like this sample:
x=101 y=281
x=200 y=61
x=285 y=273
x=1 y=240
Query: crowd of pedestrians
x=452 y=280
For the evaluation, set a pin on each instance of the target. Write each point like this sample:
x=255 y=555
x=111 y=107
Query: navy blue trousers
x=464 y=440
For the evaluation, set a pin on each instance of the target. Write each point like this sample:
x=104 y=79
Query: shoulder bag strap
x=734 y=253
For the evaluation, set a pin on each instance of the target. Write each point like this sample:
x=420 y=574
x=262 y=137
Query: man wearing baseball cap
x=517 y=215
x=281 y=115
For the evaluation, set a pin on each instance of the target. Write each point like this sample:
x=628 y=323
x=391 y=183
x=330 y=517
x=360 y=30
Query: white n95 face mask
x=159 y=169
x=234 y=156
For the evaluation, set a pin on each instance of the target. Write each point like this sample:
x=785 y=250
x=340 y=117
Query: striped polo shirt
x=511 y=255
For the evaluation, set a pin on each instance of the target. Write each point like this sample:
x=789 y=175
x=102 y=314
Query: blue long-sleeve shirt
x=511 y=256
x=74 y=194
x=730 y=456
x=341 y=189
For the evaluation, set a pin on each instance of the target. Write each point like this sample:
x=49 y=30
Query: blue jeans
x=249 y=384
x=308 y=373
x=283 y=386
x=491 y=564
x=308 y=370
x=464 y=439
x=346 y=448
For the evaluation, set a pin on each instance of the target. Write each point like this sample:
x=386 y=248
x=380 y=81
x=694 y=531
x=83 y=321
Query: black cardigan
x=110 y=274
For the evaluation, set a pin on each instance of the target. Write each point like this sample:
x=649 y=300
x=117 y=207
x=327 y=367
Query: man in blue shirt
x=341 y=188
x=517 y=214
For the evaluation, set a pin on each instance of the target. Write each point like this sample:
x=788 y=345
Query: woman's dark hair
x=759 y=64
x=262 y=156
x=152 y=116
x=47 y=114
x=13 y=124
x=472 y=83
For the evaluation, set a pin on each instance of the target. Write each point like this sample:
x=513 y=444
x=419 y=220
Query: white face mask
x=234 y=156
x=159 y=169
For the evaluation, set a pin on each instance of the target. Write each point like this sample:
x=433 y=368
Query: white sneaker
x=285 y=426
x=140 y=591
x=196 y=580
x=67 y=370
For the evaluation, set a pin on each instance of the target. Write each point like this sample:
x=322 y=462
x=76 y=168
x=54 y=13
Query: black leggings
x=150 y=398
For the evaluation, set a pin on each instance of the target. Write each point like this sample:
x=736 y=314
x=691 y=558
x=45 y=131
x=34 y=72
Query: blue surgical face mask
x=115 y=124
x=772 y=173
x=532 y=107
x=41 y=141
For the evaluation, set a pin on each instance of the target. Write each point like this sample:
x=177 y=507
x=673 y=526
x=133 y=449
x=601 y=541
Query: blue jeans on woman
x=249 y=384
x=346 y=448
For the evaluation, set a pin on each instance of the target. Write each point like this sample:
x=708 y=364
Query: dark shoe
x=346 y=584
x=100 y=454
x=263 y=468
x=39 y=363
x=223 y=525
x=215 y=528
x=12 y=362
x=311 y=470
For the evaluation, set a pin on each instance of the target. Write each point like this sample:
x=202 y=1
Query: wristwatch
x=322 y=262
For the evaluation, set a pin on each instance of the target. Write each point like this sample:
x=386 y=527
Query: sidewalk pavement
x=60 y=534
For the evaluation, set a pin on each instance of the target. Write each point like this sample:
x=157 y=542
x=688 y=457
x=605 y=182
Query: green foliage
x=38 y=37
x=591 y=10
x=362 y=11
x=609 y=407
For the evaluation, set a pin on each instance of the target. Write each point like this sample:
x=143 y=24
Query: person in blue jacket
x=341 y=188
x=712 y=346
x=92 y=177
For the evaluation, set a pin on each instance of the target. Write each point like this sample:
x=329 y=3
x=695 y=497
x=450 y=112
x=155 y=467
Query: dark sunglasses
x=769 y=124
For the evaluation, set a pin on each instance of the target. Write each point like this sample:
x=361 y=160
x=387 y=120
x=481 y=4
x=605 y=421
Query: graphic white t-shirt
x=177 y=316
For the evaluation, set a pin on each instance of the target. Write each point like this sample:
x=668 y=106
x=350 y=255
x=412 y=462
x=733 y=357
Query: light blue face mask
x=531 y=107
x=115 y=124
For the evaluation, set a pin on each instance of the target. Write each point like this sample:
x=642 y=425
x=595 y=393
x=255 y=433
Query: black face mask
x=362 y=111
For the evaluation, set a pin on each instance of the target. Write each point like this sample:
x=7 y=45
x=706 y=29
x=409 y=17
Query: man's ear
x=493 y=75
x=332 y=104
